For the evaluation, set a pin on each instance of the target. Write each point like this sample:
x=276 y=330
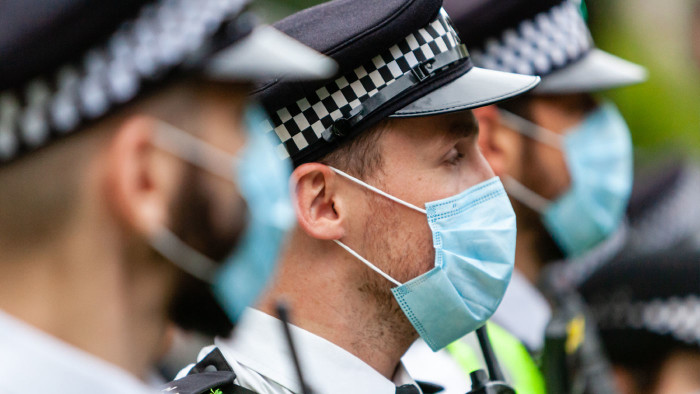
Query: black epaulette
x=429 y=388
x=212 y=375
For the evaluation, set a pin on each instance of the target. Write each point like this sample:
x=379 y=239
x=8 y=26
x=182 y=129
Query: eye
x=454 y=157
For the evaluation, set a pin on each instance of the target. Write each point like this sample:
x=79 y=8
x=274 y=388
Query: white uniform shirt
x=436 y=367
x=32 y=361
x=259 y=355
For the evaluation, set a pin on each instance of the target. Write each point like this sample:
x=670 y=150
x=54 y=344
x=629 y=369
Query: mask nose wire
x=380 y=192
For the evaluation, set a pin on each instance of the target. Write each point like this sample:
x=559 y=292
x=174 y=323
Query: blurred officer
x=403 y=228
x=662 y=229
x=113 y=219
x=662 y=214
x=565 y=158
x=648 y=313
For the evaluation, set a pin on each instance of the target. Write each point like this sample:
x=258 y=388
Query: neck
x=82 y=296
x=331 y=304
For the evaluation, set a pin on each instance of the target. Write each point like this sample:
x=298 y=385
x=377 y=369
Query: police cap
x=548 y=38
x=66 y=63
x=647 y=301
x=399 y=58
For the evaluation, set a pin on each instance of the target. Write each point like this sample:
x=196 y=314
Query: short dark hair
x=360 y=156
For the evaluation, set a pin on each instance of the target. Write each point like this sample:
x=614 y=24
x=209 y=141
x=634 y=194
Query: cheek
x=558 y=173
x=398 y=240
x=545 y=170
x=413 y=250
x=512 y=150
x=211 y=216
x=418 y=240
x=228 y=208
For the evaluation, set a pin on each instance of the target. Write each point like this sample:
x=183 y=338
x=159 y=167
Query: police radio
x=283 y=314
x=492 y=382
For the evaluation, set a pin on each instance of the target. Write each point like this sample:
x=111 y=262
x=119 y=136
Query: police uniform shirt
x=439 y=367
x=259 y=355
x=32 y=361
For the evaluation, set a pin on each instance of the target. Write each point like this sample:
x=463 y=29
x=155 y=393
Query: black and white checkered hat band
x=164 y=35
x=301 y=124
x=678 y=317
x=538 y=46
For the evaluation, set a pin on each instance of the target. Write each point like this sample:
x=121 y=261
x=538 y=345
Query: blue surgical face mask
x=598 y=154
x=474 y=241
x=263 y=181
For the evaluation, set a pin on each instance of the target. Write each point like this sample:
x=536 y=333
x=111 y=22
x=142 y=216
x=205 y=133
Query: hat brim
x=596 y=71
x=267 y=53
x=477 y=88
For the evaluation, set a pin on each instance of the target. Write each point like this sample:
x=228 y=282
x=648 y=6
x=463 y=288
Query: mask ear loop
x=181 y=144
x=384 y=194
x=525 y=195
x=183 y=256
x=205 y=156
x=540 y=134
x=380 y=192
x=367 y=263
x=531 y=129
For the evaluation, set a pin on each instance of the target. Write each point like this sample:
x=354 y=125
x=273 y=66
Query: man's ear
x=495 y=140
x=316 y=202
x=136 y=186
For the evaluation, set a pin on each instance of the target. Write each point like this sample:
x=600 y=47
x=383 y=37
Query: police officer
x=565 y=157
x=403 y=228
x=570 y=187
x=648 y=313
x=114 y=220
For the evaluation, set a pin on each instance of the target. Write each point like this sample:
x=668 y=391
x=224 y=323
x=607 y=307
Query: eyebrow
x=463 y=125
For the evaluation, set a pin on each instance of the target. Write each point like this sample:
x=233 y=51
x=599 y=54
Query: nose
x=479 y=171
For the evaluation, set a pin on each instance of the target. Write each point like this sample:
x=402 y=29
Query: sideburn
x=194 y=306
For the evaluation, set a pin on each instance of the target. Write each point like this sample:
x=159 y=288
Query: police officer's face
x=542 y=168
x=538 y=166
x=423 y=159
x=207 y=212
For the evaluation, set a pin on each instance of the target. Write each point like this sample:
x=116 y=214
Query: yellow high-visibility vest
x=519 y=368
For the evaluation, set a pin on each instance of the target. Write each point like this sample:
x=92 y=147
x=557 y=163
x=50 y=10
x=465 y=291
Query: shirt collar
x=33 y=361
x=259 y=344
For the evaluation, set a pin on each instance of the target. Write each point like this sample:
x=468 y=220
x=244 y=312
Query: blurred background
x=664 y=36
